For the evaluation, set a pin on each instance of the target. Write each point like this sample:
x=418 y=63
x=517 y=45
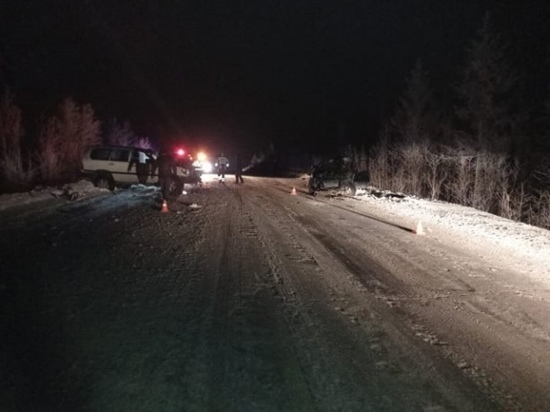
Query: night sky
x=246 y=73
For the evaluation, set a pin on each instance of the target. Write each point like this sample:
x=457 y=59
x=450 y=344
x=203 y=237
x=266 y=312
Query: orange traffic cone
x=419 y=229
x=293 y=192
x=164 y=206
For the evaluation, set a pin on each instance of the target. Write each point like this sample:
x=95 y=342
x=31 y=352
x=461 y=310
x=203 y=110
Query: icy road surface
x=248 y=298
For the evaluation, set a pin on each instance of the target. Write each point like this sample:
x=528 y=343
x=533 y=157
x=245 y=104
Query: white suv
x=108 y=166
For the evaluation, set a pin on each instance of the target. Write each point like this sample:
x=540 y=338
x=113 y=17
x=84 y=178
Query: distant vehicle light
x=201 y=156
x=207 y=166
x=180 y=152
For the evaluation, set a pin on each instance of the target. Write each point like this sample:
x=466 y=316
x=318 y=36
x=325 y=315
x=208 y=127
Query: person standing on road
x=239 y=170
x=142 y=167
x=166 y=167
x=222 y=164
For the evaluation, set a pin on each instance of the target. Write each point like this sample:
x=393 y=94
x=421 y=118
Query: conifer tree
x=412 y=121
x=484 y=92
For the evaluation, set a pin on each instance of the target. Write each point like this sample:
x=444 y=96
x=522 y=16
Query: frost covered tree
x=13 y=171
x=63 y=139
x=484 y=93
x=119 y=134
x=412 y=128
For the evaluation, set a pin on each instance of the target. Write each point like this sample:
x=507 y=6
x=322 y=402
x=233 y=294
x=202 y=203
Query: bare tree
x=537 y=211
x=411 y=161
x=120 y=134
x=50 y=159
x=411 y=129
x=513 y=203
x=379 y=162
x=462 y=184
x=63 y=139
x=143 y=142
x=539 y=159
x=437 y=171
x=13 y=171
x=489 y=178
x=359 y=157
x=88 y=133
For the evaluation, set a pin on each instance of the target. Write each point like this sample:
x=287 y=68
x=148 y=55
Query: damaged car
x=335 y=175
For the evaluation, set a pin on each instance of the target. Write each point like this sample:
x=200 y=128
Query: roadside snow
x=511 y=244
x=74 y=191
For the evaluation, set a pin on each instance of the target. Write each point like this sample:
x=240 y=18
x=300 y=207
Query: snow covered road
x=248 y=298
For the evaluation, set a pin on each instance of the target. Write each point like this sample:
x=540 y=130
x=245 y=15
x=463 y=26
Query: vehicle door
x=119 y=160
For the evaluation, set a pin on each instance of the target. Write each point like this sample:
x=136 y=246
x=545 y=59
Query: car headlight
x=207 y=166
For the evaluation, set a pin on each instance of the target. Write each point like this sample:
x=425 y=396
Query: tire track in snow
x=312 y=251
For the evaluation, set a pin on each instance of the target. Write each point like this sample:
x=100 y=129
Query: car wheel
x=347 y=188
x=174 y=188
x=104 y=180
x=311 y=187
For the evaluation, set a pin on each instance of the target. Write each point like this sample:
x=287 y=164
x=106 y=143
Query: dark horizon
x=288 y=73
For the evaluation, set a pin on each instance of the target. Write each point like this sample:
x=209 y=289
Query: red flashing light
x=180 y=152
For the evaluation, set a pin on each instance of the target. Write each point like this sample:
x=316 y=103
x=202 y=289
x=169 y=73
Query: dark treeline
x=53 y=154
x=489 y=148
